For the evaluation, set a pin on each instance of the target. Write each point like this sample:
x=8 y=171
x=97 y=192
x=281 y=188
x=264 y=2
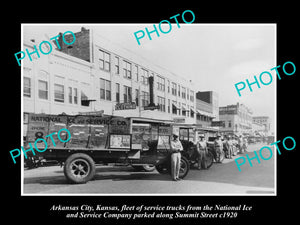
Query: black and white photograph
x=148 y=112
x=136 y=114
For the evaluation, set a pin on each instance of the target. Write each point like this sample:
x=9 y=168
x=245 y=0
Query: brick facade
x=80 y=48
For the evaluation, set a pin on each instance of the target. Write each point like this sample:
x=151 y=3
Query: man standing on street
x=245 y=145
x=176 y=148
x=226 y=147
x=218 y=148
x=240 y=143
x=230 y=147
x=202 y=151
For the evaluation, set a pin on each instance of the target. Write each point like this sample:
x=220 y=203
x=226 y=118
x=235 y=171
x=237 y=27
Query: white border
x=145 y=194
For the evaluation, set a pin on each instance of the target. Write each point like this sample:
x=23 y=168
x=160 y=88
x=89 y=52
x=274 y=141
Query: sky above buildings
x=213 y=56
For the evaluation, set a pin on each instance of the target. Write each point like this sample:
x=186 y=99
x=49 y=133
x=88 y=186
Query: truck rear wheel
x=209 y=158
x=79 y=168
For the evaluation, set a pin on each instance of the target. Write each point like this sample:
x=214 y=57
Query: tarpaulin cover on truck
x=86 y=131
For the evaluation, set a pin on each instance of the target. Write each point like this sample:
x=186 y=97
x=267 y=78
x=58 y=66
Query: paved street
x=222 y=179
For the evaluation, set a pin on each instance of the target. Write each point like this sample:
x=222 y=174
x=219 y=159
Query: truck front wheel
x=184 y=167
x=79 y=168
x=166 y=167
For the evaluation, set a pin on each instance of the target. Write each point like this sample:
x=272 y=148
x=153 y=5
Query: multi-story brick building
x=264 y=121
x=95 y=75
x=207 y=107
x=237 y=119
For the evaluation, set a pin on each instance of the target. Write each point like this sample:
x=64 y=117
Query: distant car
x=251 y=140
x=270 y=139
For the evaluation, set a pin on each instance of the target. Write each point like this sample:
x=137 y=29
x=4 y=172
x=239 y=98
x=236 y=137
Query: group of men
x=229 y=142
x=220 y=145
x=176 y=148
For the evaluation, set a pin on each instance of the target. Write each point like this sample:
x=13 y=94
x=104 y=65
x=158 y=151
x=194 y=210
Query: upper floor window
x=174 y=107
x=136 y=71
x=160 y=83
x=229 y=123
x=183 y=93
x=70 y=95
x=27 y=82
x=75 y=95
x=174 y=88
x=137 y=93
x=127 y=69
x=144 y=76
x=59 y=93
x=127 y=94
x=117 y=93
x=43 y=84
x=105 y=89
x=27 y=87
x=162 y=103
x=145 y=98
x=117 y=65
x=43 y=89
x=104 y=60
x=192 y=98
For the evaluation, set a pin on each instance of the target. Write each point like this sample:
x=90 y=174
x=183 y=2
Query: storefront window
x=27 y=87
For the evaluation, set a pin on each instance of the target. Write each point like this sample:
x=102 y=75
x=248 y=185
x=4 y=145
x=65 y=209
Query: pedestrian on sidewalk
x=176 y=148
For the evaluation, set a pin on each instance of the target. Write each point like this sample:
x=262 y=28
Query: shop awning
x=201 y=128
x=259 y=133
x=204 y=114
x=184 y=109
x=148 y=120
x=175 y=106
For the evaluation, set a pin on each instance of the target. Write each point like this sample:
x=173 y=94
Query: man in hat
x=240 y=144
x=230 y=147
x=218 y=147
x=245 y=144
x=176 y=148
x=202 y=151
x=226 y=147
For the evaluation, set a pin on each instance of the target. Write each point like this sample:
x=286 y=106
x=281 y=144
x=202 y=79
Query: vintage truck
x=188 y=135
x=142 y=143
